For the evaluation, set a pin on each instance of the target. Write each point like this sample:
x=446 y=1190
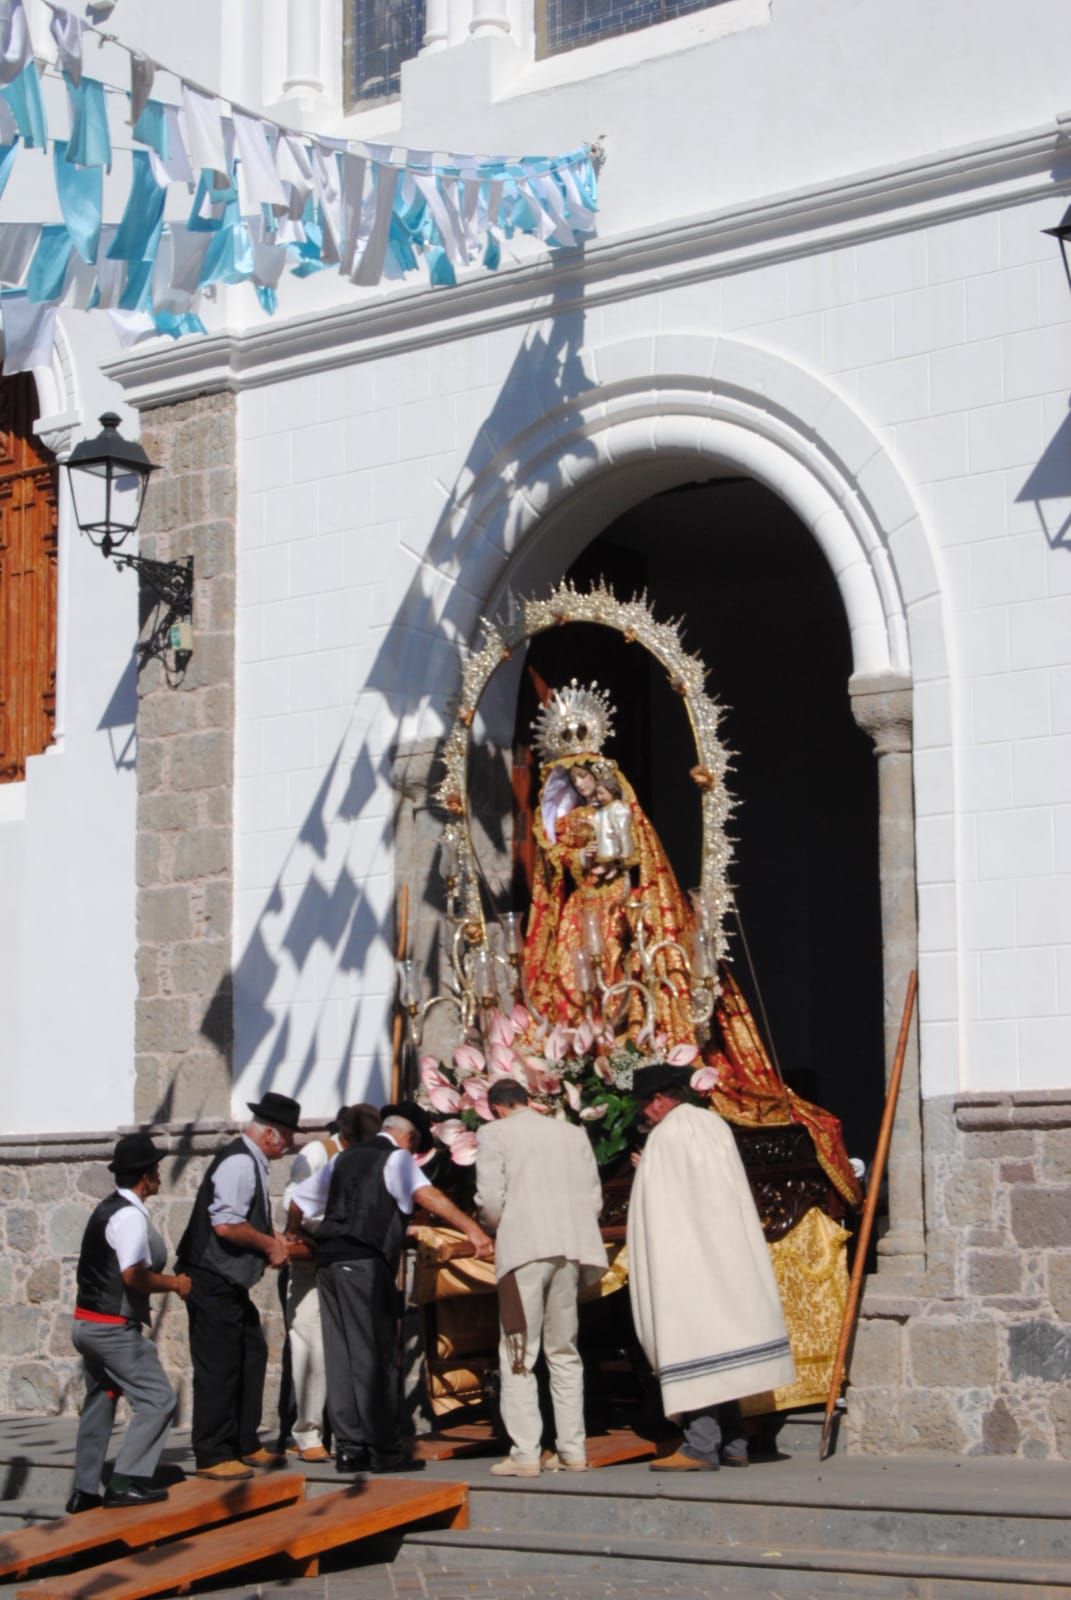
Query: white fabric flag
x=80 y=284
x=16 y=46
x=269 y=264
x=445 y=216
x=130 y=326
x=329 y=194
x=204 y=129
x=18 y=241
x=8 y=126
x=176 y=169
x=29 y=331
x=258 y=181
x=111 y=275
x=369 y=268
x=142 y=73
x=67 y=32
x=187 y=254
x=294 y=168
x=354 y=168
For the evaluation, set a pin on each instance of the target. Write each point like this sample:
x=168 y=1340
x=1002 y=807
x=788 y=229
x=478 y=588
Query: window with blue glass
x=565 y=24
x=380 y=35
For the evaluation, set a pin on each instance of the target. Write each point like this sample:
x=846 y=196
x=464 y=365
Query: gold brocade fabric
x=750 y=1093
x=565 y=887
x=811 y=1268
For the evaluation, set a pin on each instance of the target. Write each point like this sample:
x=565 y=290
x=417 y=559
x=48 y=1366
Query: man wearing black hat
x=365 y=1196
x=228 y=1243
x=704 y=1299
x=119 y=1267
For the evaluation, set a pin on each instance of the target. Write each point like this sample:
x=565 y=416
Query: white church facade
x=807 y=385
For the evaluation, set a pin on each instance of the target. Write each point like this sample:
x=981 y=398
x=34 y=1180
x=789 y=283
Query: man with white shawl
x=704 y=1300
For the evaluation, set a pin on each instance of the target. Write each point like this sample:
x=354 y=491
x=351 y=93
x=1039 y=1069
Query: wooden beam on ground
x=618 y=1446
x=300 y=1534
x=460 y=1444
x=197 y=1503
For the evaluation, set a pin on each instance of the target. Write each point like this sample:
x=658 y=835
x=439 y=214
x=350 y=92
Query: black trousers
x=358 y=1310
x=230 y=1359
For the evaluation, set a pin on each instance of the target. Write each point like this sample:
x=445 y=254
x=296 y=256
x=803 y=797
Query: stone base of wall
x=48 y=1186
x=973 y=1357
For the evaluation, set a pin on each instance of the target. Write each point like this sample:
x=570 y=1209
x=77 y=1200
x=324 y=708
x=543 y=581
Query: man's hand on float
x=485 y=1247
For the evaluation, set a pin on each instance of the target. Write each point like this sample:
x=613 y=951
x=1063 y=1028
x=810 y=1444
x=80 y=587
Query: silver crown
x=573 y=722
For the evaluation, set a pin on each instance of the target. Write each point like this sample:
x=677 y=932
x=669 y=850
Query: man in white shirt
x=537 y=1185
x=366 y=1196
x=119 y=1266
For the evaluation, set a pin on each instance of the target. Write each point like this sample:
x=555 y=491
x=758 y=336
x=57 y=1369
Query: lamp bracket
x=171 y=585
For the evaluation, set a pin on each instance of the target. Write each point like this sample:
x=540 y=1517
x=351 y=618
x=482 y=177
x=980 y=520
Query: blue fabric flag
x=492 y=254
x=268 y=298
x=139 y=230
x=90 y=144
x=137 y=293
x=23 y=95
x=176 y=326
x=7 y=161
x=151 y=129
x=80 y=191
x=48 y=269
x=440 y=270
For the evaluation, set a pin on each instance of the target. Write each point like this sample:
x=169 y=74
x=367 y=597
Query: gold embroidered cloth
x=811 y=1268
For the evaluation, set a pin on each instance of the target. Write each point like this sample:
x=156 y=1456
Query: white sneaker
x=515 y=1469
x=553 y=1462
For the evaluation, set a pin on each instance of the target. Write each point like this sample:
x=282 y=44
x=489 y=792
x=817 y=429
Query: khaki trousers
x=307 y=1368
x=548 y=1296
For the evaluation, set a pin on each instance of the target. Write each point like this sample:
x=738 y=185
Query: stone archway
x=662 y=412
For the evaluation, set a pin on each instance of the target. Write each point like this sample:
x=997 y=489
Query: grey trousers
x=118 y=1360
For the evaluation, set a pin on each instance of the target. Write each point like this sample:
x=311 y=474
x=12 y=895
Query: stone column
x=490 y=19
x=436 y=27
x=304 y=70
x=881 y=705
x=184 y=1022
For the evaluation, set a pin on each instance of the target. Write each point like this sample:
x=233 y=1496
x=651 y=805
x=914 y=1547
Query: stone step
x=799 y=1573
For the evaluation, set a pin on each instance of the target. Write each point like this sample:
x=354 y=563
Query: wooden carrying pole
x=866 y=1226
x=398 y=1024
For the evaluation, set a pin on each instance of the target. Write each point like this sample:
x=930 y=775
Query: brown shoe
x=680 y=1462
x=313 y=1452
x=225 y=1471
x=264 y=1458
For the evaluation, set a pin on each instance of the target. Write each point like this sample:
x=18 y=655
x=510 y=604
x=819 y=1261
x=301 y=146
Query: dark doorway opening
x=762 y=609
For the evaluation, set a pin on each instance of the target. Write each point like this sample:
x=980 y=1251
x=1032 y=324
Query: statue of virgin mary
x=602 y=881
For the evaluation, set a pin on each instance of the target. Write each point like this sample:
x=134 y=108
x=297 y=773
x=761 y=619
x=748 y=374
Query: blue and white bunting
x=264 y=201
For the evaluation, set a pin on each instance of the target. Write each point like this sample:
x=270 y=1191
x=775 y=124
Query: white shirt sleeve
x=128 y=1236
x=310 y=1195
x=309 y=1159
x=403 y=1178
x=235 y=1184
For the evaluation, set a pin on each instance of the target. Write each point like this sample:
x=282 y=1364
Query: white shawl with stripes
x=704 y=1299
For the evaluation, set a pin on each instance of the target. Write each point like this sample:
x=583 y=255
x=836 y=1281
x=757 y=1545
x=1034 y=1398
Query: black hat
x=277 y=1108
x=135 y=1152
x=647 y=1081
x=418 y=1117
x=336 y=1121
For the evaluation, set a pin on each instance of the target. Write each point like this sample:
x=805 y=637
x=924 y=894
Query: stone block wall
x=973 y=1357
x=48 y=1187
x=184 y=1022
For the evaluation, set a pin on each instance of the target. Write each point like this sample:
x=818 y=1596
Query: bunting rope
x=267 y=199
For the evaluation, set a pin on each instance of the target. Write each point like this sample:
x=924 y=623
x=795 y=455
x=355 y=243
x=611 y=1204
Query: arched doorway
x=761 y=607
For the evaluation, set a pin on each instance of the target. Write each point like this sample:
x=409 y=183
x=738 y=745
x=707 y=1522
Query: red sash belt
x=82 y=1315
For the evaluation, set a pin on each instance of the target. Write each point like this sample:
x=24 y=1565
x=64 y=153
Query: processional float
x=612 y=967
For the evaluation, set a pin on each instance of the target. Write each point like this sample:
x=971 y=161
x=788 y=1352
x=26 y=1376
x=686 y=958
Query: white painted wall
x=67 y=933
x=932 y=318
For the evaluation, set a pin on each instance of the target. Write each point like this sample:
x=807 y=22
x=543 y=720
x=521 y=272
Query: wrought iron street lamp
x=108 y=476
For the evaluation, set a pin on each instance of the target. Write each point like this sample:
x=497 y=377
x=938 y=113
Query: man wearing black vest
x=228 y=1243
x=366 y=1195
x=119 y=1267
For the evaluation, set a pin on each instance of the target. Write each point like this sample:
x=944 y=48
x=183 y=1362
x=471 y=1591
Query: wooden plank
x=301 y=1533
x=197 y=1503
x=620 y=1444
x=459 y=1444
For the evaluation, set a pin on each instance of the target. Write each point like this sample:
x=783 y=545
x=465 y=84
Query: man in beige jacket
x=538 y=1189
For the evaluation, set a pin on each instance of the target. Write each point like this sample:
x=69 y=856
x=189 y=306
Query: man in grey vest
x=119 y=1266
x=228 y=1243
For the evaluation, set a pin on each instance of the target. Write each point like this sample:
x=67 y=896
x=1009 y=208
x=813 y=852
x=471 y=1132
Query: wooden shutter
x=28 y=522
